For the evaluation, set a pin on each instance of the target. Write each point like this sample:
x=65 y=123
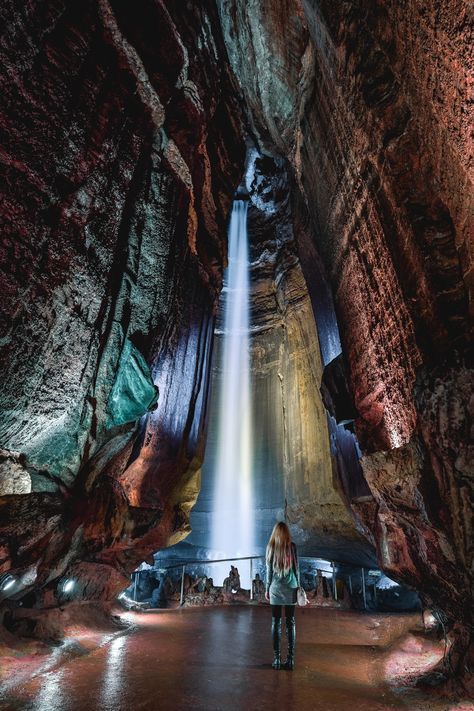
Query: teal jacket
x=282 y=588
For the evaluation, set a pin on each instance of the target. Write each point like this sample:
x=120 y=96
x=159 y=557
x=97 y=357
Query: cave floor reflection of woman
x=281 y=590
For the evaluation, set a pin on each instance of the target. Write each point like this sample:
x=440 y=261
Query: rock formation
x=120 y=155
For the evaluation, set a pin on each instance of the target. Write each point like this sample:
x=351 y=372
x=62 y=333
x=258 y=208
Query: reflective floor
x=219 y=658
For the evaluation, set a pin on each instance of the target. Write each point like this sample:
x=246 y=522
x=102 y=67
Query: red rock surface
x=371 y=105
x=121 y=148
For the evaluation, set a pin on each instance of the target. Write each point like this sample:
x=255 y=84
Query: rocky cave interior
x=126 y=131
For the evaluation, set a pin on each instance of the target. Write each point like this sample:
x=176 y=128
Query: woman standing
x=281 y=589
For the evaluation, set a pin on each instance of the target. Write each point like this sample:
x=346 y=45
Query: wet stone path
x=219 y=658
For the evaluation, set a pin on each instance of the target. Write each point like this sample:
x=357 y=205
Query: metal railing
x=200 y=561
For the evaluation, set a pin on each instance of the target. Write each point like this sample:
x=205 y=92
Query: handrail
x=202 y=562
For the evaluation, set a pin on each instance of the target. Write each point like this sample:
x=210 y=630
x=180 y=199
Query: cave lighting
x=322 y=565
x=385 y=583
x=8 y=583
x=429 y=620
x=232 y=519
x=68 y=586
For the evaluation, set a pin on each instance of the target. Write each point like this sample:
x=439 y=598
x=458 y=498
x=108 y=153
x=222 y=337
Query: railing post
x=334 y=586
x=251 y=581
x=375 y=592
x=350 y=584
x=181 y=598
x=363 y=589
x=135 y=586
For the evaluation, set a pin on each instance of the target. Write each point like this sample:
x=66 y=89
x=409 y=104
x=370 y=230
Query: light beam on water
x=232 y=518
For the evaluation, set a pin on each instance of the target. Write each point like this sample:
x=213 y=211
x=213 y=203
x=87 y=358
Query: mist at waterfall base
x=232 y=526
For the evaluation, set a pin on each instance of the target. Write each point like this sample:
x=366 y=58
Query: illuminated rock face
x=292 y=449
x=369 y=102
x=346 y=93
x=120 y=157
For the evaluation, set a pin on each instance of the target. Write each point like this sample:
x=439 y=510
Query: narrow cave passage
x=338 y=135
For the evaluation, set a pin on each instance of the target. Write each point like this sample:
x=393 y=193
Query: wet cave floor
x=219 y=658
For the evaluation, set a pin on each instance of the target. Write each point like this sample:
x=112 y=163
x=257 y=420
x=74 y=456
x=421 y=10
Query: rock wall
x=292 y=444
x=120 y=154
x=346 y=93
x=370 y=103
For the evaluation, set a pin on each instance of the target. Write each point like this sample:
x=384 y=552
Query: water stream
x=232 y=519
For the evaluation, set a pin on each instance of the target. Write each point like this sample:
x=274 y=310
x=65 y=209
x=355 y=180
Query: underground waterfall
x=232 y=525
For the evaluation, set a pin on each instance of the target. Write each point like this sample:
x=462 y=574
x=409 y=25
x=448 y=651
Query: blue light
x=68 y=586
x=9 y=583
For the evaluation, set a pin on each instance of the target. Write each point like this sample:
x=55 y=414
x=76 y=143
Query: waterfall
x=232 y=518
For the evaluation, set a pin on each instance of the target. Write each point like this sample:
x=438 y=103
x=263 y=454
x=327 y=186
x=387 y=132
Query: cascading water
x=232 y=519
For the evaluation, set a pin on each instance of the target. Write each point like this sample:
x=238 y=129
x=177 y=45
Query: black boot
x=276 y=636
x=291 y=636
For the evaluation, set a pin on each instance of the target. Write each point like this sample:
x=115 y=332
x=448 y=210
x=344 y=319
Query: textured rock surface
x=370 y=102
x=376 y=127
x=14 y=479
x=291 y=434
x=119 y=158
x=432 y=544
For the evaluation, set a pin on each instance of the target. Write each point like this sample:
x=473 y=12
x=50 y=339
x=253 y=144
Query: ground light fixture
x=7 y=583
x=66 y=587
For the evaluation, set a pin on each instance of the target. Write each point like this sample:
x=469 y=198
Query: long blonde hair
x=279 y=548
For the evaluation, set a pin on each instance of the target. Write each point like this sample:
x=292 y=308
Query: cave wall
x=376 y=127
x=119 y=158
x=369 y=102
x=120 y=154
x=292 y=443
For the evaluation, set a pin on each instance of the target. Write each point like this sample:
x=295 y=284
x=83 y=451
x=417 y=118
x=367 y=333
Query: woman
x=281 y=589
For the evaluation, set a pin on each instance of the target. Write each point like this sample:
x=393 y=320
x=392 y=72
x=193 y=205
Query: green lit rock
x=134 y=392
